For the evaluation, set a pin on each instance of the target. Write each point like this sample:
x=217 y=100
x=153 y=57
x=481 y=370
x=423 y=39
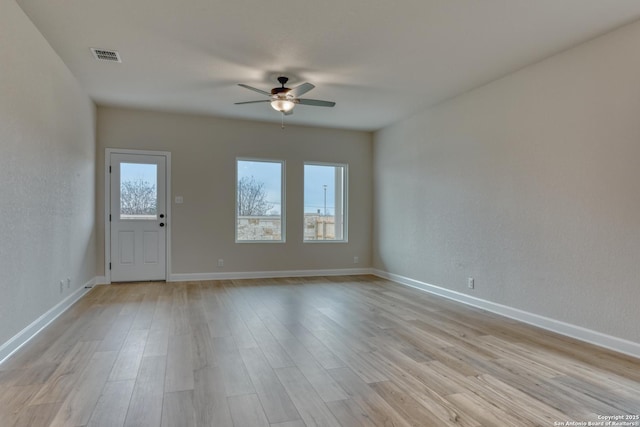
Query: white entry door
x=138 y=217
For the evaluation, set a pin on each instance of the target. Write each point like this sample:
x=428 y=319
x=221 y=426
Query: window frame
x=283 y=227
x=345 y=201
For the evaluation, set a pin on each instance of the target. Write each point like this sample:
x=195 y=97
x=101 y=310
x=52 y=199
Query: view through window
x=325 y=202
x=259 y=201
x=138 y=191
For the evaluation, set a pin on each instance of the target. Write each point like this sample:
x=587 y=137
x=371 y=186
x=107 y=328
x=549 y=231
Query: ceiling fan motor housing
x=281 y=90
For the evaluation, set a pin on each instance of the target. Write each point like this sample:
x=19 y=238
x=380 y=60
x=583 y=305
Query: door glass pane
x=138 y=191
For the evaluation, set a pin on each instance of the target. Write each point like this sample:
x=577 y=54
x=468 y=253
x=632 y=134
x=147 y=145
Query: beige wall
x=530 y=184
x=47 y=171
x=203 y=154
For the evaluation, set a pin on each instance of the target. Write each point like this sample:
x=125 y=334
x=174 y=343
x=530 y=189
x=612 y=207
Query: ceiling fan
x=283 y=99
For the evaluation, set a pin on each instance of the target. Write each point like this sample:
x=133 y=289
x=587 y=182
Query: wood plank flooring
x=332 y=351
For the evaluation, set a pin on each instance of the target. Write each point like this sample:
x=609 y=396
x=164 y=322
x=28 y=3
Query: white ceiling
x=379 y=60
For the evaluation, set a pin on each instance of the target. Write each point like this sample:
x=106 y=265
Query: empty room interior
x=339 y=213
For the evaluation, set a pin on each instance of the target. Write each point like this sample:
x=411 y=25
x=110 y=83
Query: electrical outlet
x=220 y=262
x=61 y=286
x=471 y=283
x=356 y=260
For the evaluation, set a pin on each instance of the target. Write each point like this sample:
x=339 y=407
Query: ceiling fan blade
x=301 y=89
x=316 y=102
x=252 y=102
x=254 y=89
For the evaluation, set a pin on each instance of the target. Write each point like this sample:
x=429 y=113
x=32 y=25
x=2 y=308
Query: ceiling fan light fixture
x=282 y=105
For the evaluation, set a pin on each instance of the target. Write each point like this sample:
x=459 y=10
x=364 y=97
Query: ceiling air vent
x=106 y=55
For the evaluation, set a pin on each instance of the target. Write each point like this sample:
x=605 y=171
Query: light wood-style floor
x=339 y=351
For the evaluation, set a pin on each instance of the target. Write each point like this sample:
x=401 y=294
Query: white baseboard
x=100 y=280
x=22 y=337
x=587 y=335
x=181 y=277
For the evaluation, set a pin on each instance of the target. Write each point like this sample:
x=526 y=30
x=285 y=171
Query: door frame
x=107 y=206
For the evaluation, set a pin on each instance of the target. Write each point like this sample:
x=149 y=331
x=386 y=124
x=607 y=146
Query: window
x=259 y=201
x=325 y=202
